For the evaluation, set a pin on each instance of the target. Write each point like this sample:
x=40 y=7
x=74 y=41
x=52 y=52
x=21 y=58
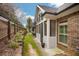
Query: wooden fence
x=7 y=30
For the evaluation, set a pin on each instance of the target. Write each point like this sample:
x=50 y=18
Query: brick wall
x=73 y=32
x=61 y=20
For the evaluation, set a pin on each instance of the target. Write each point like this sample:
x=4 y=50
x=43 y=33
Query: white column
x=56 y=34
x=48 y=32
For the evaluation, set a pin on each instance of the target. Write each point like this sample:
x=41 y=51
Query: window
x=63 y=33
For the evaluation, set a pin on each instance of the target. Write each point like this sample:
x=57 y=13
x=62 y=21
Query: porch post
x=9 y=29
x=48 y=32
x=14 y=29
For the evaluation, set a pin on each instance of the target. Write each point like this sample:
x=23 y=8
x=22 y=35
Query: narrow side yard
x=30 y=47
x=14 y=48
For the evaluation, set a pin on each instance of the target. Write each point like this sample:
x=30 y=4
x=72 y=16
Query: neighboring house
x=58 y=27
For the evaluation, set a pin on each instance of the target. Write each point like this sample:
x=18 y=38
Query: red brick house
x=58 y=27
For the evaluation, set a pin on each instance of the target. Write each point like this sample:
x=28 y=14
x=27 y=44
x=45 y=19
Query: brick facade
x=72 y=33
x=61 y=20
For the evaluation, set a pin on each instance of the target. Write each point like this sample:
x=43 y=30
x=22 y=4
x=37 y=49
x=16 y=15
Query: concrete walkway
x=32 y=51
x=55 y=52
x=19 y=51
x=42 y=49
x=50 y=52
x=45 y=52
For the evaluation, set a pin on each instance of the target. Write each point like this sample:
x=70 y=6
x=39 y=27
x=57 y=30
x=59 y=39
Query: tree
x=8 y=11
x=29 y=24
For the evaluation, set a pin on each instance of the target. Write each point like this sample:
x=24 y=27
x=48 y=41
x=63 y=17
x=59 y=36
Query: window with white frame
x=63 y=33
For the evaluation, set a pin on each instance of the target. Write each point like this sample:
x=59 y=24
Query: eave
x=71 y=9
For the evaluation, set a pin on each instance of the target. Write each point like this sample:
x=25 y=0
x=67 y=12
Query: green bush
x=13 y=45
x=28 y=39
x=18 y=36
x=25 y=46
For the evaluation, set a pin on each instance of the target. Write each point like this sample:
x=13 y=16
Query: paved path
x=32 y=51
x=55 y=52
x=42 y=49
x=19 y=51
x=50 y=52
x=45 y=52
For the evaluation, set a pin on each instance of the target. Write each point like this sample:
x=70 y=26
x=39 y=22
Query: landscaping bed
x=13 y=48
x=28 y=40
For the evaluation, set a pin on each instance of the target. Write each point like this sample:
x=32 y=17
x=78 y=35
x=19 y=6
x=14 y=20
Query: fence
x=7 y=30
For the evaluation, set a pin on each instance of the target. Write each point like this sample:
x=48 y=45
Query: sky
x=30 y=8
x=25 y=10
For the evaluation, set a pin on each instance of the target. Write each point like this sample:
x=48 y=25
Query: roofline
x=3 y=19
x=62 y=10
x=38 y=6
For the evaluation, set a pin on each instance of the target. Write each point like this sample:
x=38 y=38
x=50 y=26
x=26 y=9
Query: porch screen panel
x=37 y=28
x=45 y=28
x=52 y=28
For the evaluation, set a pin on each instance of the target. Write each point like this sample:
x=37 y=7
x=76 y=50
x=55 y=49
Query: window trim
x=61 y=24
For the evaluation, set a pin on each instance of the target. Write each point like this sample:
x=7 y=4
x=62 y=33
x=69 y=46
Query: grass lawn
x=28 y=39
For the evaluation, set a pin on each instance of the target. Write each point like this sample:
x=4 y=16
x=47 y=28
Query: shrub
x=28 y=39
x=18 y=36
x=13 y=45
